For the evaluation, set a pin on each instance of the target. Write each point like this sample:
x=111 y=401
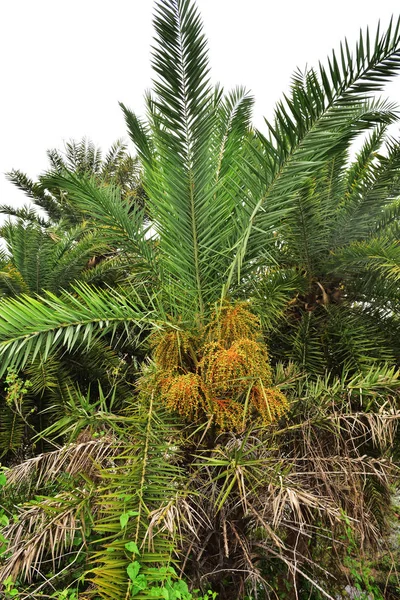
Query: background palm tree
x=48 y=247
x=82 y=158
x=328 y=295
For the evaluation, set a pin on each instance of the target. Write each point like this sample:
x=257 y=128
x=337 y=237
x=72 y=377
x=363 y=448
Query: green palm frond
x=182 y=119
x=305 y=164
x=119 y=224
x=356 y=341
x=123 y=170
x=11 y=280
x=81 y=159
x=49 y=259
x=374 y=259
x=68 y=379
x=334 y=338
x=113 y=269
x=325 y=112
x=305 y=344
x=26 y=213
x=114 y=156
x=35 y=192
x=200 y=135
x=29 y=326
x=136 y=504
x=91 y=412
x=368 y=206
x=12 y=428
x=273 y=293
x=359 y=172
x=44 y=376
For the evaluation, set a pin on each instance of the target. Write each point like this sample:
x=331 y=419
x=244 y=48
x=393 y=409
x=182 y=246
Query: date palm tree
x=82 y=158
x=226 y=466
x=52 y=258
x=230 y=207
x=48 y=246
x=329 y=293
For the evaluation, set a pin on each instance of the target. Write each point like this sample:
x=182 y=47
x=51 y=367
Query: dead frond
x=81 y=457
x=44 y=533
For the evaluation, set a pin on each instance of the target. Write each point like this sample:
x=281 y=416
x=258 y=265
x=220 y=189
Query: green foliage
x=46 y=259
x=82 y=159
x=9 y=589
x=67 y=594
x=17 y=410
x=71 y=320
x=146 y=493
x=360 y=573
x=15 y=388
x=201 y=134
x=51 y=253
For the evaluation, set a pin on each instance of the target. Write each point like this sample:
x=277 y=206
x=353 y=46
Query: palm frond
x=13 y=426
x=26 y=213
x=379 y=256
x=29 y=326
x=273 y=293
x=143 y=482
x=306 y=346
x=72 y=459
x=120 y=224
x=52 y=258
x=46 y=530
x=324 y=113
x=200 y=135
x=81 y=157
x=372 y=195
x=35 y=192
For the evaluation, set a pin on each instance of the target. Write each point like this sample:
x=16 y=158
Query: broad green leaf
x=132 y=547
x=133 y=569
x=4 y=520
x=124 y=518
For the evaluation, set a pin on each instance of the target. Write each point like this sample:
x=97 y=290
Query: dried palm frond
x=278 y=493
x=81 y=457
x=45 y=531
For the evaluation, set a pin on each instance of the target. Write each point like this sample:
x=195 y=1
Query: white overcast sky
x=65 y=65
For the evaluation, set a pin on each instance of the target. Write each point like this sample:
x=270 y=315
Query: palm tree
x=298 y=208
x=82 y=158
x=329 y=293
x=223 y=461
x=48 y=258
x=36 y=259
x=49 y=251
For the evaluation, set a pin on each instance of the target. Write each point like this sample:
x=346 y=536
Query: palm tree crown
x=230 y=206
